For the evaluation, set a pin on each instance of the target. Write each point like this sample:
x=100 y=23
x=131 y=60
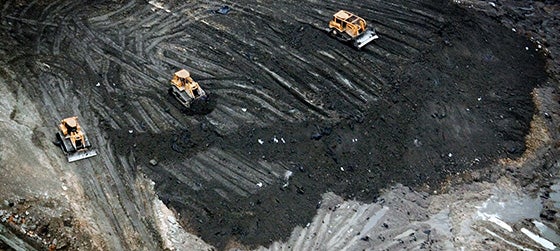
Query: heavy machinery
x=73 y=141
x=350 y=28
x=185 y=89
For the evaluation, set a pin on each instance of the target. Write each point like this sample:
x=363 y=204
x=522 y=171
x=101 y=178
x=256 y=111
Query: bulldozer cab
x=73 y=140
x=180 y=78
x=345 y=21
x=183 y=81
x=350 y=28
x=69 y=125
x=189 y=93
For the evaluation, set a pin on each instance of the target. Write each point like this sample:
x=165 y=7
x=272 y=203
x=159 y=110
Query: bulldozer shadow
x=201 y=106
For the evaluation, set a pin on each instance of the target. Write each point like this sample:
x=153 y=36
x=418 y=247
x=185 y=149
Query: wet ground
x=444 y=90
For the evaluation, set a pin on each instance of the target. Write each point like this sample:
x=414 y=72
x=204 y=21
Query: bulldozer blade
x=365 y=38
x=81 y=155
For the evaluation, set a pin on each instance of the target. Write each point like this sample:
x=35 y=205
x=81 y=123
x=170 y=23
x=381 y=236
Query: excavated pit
x=442 y=91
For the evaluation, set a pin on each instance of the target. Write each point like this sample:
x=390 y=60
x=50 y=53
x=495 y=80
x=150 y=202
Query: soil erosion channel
x=297 y=113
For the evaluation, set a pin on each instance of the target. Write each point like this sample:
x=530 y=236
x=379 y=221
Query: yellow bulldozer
x=73 y=141
x=185 y=89
x=350 y=28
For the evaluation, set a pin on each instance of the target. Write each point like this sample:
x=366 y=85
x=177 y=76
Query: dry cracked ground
x=442 y=134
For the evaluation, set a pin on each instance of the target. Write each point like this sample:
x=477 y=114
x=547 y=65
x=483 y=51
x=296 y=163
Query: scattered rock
x=153 y=162
x=316 y=136
x=224 y=10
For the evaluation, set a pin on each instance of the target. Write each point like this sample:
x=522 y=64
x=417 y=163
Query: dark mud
x=443 y=91
x=458 y=105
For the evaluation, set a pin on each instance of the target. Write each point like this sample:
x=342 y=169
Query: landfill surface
x=440 y=134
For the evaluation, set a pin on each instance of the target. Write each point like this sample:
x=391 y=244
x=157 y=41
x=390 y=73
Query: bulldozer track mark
x=297 y=93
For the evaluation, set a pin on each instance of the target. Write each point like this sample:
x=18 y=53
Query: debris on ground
x=224 y=10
